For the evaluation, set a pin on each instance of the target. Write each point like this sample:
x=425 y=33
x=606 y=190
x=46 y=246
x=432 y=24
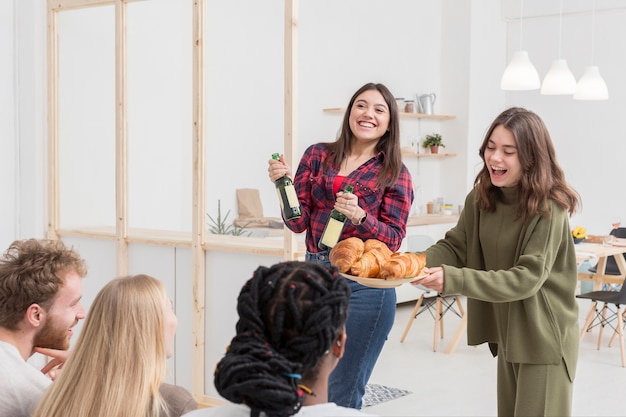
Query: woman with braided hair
x=289 y=337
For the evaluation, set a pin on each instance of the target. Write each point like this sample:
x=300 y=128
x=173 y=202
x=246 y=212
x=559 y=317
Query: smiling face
x=502 y=158
x=369 y=116
x=63 y=315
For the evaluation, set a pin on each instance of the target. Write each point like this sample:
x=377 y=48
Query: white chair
x=419 y=243
x=433 y=302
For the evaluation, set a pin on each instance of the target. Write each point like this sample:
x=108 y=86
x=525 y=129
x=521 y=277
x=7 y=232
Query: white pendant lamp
x=520 y=74
x=559 y=80
x=591 y=85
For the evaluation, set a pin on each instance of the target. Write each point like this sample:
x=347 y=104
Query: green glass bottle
x=333 y=228
x=287 y=196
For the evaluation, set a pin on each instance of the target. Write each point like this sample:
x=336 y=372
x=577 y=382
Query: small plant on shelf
x=220 y=227
x=433 y=141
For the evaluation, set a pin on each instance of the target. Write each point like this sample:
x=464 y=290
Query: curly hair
x=31 y=272
x=289 y=315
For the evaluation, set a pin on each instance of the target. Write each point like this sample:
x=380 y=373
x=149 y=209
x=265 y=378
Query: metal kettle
x=426 y=102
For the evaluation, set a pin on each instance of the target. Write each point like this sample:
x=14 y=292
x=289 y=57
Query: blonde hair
x=119 y=360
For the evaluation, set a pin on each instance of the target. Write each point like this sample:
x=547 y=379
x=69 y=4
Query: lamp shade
x=559 y=80
x=591 y=86
x=520 y=74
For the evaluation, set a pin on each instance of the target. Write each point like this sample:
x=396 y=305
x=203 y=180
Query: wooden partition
x=117 y=225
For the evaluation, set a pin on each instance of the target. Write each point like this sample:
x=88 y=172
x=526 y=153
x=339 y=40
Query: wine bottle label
x=289 y=204
x=331 y=234
x=290 y=190
x=279 y=192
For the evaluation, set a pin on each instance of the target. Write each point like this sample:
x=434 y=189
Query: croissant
x=346 y=252
x=417 y=262
x=377 y=244
x=421 y=258
x=394 y=268
x=368 y=266
x=403 y=265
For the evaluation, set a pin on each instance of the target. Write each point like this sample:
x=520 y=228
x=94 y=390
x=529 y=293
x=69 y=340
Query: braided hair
x=289 y=316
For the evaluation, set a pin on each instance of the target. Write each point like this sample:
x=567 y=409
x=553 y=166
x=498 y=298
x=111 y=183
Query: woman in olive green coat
x=512 y=255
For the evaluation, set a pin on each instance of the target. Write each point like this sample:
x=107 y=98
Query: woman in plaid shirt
x=367 y=156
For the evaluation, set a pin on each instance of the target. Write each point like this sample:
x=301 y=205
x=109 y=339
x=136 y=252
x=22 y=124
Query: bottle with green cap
x=333 y=228
x=287 y=196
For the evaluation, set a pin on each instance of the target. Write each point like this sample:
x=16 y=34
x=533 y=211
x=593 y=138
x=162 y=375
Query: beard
x=52 y=337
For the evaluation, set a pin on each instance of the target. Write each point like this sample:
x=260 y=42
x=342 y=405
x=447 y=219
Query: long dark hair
x=542 y=178
x=289 y=315
x=389 y=143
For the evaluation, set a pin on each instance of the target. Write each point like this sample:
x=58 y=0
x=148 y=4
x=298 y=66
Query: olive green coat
x=519 y=279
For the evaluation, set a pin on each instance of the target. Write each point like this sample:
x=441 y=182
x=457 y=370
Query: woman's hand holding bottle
x=286 y=192
x=348 y=204
x=278 y=169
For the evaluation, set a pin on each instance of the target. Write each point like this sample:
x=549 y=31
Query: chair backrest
x=611 y=264
x=619 y=232
x=418 y=243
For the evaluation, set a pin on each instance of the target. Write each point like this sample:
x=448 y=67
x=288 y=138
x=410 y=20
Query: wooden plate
x=384 y=283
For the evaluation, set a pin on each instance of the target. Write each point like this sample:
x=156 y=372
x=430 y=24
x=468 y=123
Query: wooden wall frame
x=198 y=242
x=198 y=203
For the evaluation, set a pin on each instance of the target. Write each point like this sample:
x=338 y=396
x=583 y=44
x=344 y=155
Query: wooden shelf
x=426 y=155
x=228 y=243
x=426 y=219
x=402 y=114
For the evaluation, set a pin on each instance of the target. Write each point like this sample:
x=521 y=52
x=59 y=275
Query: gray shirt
x=21 y=384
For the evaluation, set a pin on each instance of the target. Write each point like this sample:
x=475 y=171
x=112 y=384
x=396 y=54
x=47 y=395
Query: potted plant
x=221 y=227
x=433 y=141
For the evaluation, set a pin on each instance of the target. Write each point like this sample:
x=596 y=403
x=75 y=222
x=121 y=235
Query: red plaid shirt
x=387 y=209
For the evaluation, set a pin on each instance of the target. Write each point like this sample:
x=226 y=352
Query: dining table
x=601 y=252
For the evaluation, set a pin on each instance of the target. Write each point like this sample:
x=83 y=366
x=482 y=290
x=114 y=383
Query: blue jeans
x=370 y=317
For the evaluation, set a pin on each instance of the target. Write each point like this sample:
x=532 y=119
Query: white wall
x=30 y=106
x=22 y=119
x=8 y=132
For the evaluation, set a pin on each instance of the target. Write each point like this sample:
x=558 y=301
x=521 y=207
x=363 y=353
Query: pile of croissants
x=373 y=259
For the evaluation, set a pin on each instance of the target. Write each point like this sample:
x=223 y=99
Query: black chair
x=611 y=265
x=613 y=303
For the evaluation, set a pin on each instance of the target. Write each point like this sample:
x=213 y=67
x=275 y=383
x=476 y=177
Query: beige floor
x=464 y=383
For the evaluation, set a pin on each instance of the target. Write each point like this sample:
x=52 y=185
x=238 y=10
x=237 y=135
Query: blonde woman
x=119 y=362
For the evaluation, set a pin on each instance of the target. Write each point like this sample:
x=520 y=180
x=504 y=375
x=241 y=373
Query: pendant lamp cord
x=593 y=27
x=560 y=25
x=521 y=25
